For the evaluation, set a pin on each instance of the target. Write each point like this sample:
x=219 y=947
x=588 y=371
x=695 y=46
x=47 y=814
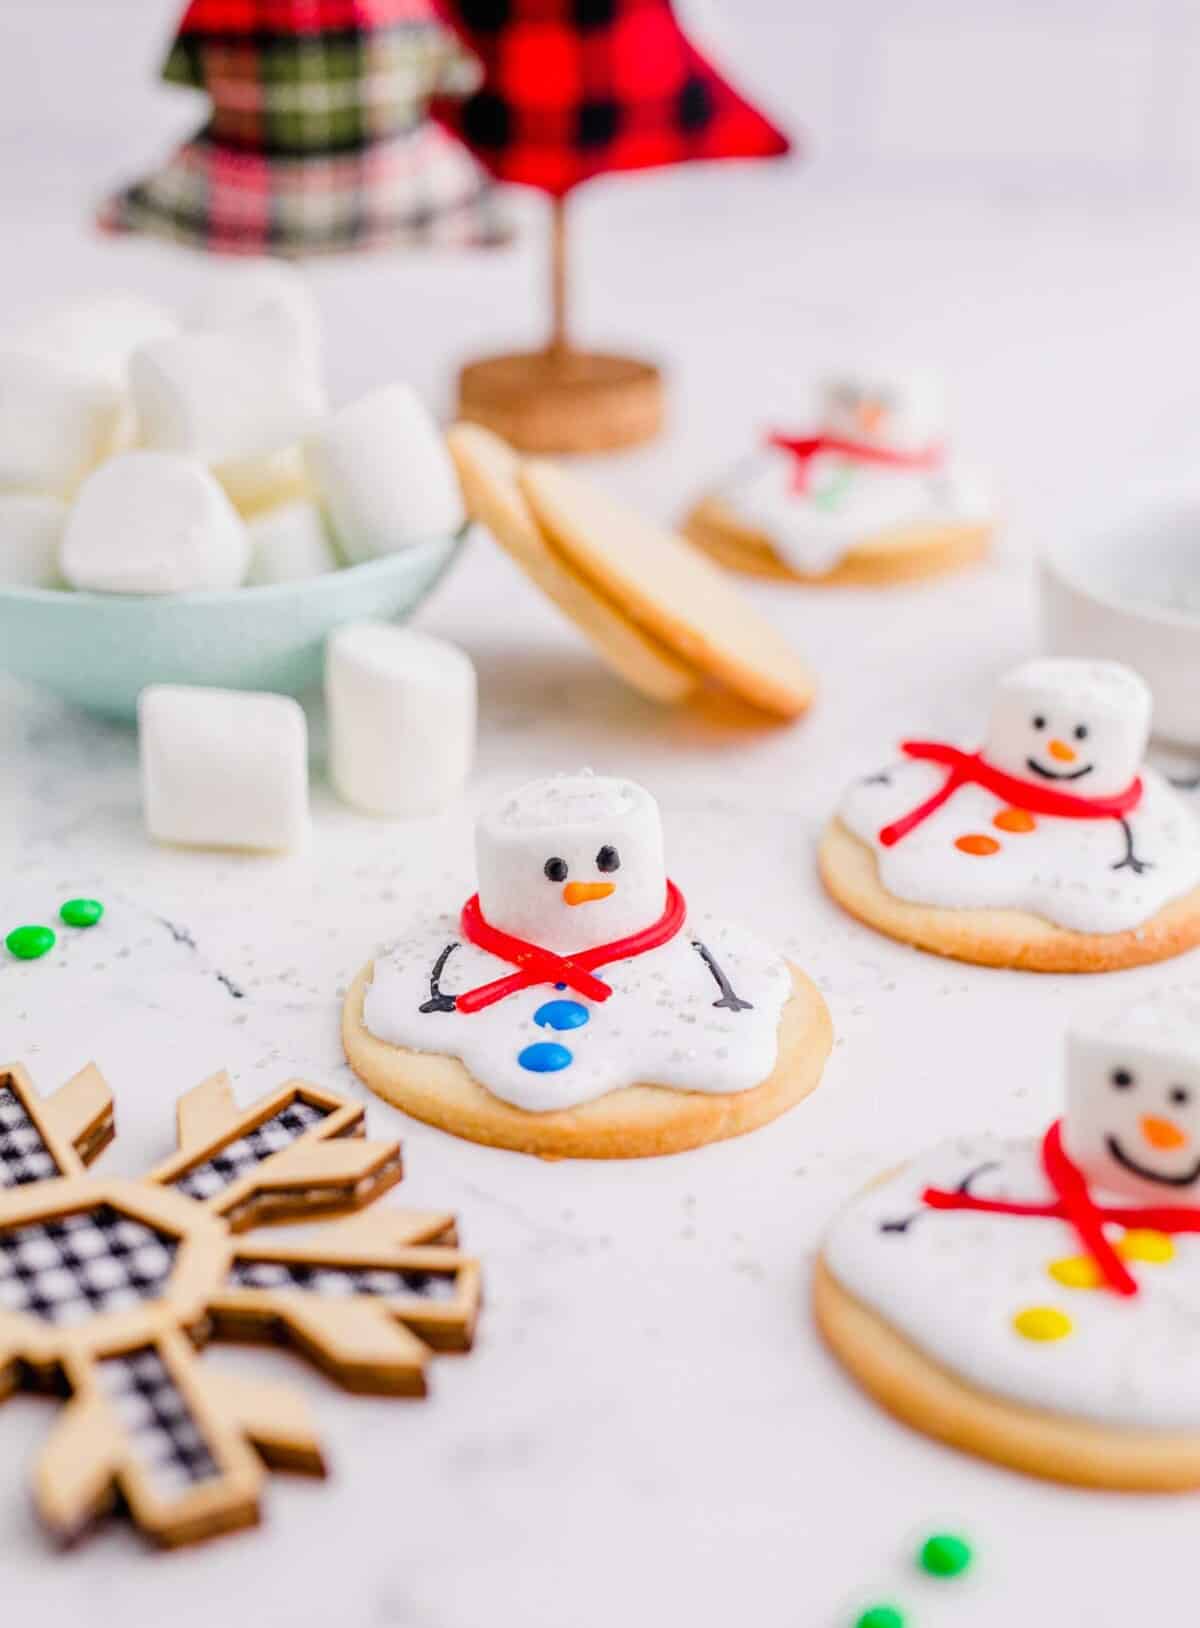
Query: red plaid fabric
x=576 y=88
x=417 y=189
x=319 y=139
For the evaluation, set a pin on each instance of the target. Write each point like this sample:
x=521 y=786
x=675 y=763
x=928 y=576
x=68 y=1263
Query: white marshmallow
x=1081 y=726
x=152 y=523
x=1132 y=1120
x=572 y=861
x=31 y=531
x=901 y=410
x=241 y=289
x=384 y=474
x=223 y=768
x=401 y=708
x=288 y=544
x=228 y=395
x=255 y=484
x=97 y=334
x=56 y=423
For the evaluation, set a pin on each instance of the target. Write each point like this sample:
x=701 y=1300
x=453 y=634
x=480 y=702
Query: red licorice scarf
x=972 y=768
x=537 y=965
x=1075 y=1205
x=804 y=448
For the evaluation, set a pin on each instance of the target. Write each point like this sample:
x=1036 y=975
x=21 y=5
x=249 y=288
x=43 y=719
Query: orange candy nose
x=1061 y=752
x=871 y=415
x=581 y=892
x=1163 y=1133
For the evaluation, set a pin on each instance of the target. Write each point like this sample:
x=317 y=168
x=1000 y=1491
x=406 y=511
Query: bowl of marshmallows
x=179 y=503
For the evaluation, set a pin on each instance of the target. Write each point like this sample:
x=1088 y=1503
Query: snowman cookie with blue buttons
x=1052 y=848
x=1037 y=1301
x=868 y=495
x=576 y=1006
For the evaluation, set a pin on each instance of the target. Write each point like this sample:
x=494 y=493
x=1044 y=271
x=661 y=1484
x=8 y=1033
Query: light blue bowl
x=101 y=650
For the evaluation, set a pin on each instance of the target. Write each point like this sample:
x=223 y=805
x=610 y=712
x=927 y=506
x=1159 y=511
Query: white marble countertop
x=648 y=1430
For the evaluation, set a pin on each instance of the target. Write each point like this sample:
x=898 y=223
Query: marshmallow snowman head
x=901 y=411
x=1132 y=1120
x=572 y=861
x=1080 y=726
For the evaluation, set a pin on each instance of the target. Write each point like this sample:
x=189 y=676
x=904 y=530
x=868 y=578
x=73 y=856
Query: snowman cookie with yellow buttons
x=1053 y=849
x=575 y=1006
x=1038 y=1303
x=870 y=495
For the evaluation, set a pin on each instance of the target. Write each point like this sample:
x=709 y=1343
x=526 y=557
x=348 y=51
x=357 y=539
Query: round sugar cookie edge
x=640 y=1121
x=1013 y=940
x=929 y=1398
x=890 y=559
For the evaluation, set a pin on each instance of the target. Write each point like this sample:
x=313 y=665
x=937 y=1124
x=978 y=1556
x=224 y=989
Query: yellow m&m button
x=1042 y=1323
x=1142 y=1244
x=1076 y=1272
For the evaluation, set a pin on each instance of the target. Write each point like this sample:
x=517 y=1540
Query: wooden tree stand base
x=563 y=401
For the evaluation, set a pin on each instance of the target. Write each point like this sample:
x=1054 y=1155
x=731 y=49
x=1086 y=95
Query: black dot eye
x=1081 y=732
x=1039 y=722
x=1122 y=1078
x=608 y=859
x=556 y=869
x=1180 y=1094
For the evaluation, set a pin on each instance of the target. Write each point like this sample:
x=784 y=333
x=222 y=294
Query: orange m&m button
x=1014 y=819
x=976 y=844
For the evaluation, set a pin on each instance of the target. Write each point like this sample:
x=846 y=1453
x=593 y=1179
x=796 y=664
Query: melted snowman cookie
x=871 y=487
x=1039 y=1302
x=575 y=978
x=1055 y=824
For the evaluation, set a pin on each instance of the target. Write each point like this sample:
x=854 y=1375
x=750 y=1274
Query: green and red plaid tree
x=318 y=139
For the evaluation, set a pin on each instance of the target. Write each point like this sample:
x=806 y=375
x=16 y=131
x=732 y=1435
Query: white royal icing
x=844 y=503
x=1061 y=871
x=953 y=1282
x=660 y=1026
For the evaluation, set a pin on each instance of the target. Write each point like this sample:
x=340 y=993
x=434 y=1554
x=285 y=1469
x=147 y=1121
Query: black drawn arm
x=1131 y=859
x=438 y=1002
x=729 y=999
x=964 y=1186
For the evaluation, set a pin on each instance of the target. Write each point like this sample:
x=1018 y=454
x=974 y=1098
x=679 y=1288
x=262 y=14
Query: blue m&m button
x=544 y=1057
x=561 y=1015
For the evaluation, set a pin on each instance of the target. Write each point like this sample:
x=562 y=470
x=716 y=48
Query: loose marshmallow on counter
x=31 y=531
x=223 y=768
x=56 y=423
x=228 y=395
x=288 y=544
x=382 y=470
x=239 y=290
x=401 y=708
x=96 y=334
x=153 y=523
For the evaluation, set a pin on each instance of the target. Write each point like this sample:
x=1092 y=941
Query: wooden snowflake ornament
x=107 y=1287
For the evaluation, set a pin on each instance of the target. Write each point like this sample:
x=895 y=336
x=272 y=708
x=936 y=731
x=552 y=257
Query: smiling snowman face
x=1079 y=725
x=900 y=411
x=572 y=861
x=1132 y=1121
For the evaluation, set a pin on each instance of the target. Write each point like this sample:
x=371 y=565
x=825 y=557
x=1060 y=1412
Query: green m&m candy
x=81 y=912
x=881 y=1616
x=28 y=943
x=945 y=1555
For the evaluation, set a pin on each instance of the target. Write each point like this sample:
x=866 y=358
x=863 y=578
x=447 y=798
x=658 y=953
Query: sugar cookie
x=669 y=589
x=575 y=1007
x=1034 y=1302
x=489 y=471
x=870 y=497
x=1055 y=849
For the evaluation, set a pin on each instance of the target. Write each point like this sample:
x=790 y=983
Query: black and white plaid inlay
x=343 y=1280
x=156 y=1418
x=24 y=1157
x=272 y=1136
x=83 y=1265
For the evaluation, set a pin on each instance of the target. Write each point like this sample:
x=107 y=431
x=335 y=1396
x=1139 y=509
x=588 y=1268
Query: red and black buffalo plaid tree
x=318 y=138
x=574 y=89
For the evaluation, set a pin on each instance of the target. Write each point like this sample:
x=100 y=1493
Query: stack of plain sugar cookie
x=141 y=455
